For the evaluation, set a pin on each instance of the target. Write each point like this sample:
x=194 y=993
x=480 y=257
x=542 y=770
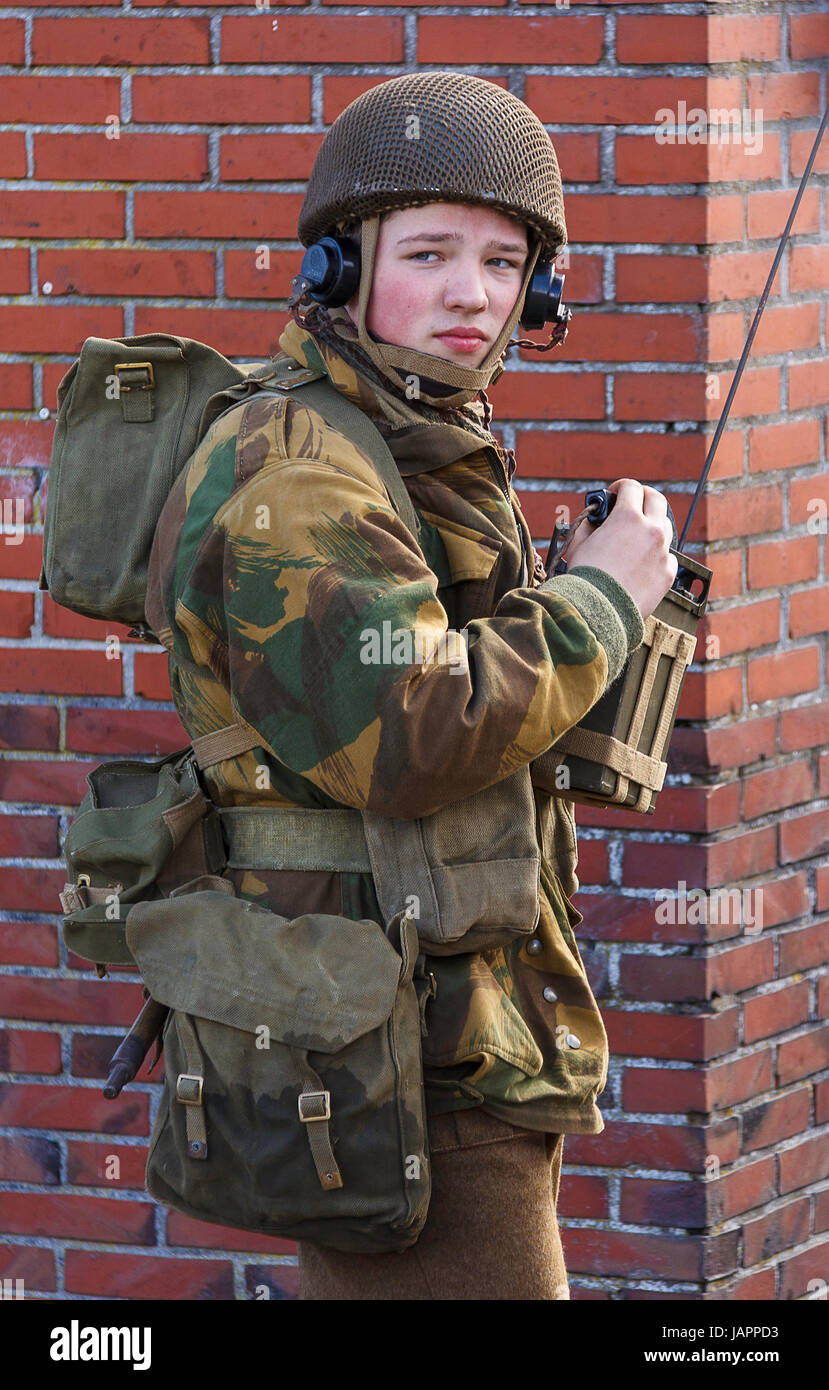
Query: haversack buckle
x=190 y=1092
x=147 y=385
x=314 y=1098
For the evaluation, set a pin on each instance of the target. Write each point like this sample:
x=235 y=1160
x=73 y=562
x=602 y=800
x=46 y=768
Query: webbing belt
x=273 y=837
x=276 y=837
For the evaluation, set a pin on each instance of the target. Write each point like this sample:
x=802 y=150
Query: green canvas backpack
x=293 y=1098
x=130 y=413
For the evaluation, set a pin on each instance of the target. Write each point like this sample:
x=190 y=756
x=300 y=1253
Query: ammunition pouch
x=142 y=829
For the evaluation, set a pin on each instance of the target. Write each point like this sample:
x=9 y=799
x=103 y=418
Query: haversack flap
x=317 y=982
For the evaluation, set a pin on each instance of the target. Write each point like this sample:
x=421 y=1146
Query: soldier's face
x=446 y=279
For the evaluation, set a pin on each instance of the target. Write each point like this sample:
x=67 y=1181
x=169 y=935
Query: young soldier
x=452 y=188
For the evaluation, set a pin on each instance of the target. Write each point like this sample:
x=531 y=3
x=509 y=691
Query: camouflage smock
x=276 y=541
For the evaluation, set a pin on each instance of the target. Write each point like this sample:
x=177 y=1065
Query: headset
x=330 y=271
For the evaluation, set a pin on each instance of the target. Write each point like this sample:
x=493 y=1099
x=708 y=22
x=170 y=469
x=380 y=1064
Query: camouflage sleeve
x=600 y=615
x=337 y=650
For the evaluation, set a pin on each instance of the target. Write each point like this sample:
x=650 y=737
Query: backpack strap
x=314 y=1106
x=228 y=742
x=343 y=415
x=353 y=422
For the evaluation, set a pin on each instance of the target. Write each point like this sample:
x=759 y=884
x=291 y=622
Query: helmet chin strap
x=390 y=358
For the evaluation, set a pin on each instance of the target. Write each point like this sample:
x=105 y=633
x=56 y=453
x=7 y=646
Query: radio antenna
x=750 y=339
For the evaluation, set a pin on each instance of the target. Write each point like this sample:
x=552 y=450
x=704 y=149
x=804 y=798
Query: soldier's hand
x=632 y=545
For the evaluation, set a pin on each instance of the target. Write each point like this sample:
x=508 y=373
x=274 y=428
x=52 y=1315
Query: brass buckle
x=84 y=881
x=148 y=385
x=314 y=1095
x=299 y=376
x=186 y=1076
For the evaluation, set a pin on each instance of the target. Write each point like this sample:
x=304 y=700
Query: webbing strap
x=136 y=391
x=596 y=747
x=632 y=763
x=337 y=410
x=314 y=1105
x=275 y=837
x=76 y=896
x=228 y=742
x=137 y=407
x=680 y=648
x=190 y=1087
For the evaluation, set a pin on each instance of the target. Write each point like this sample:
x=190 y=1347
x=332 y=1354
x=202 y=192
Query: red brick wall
x=706 y=1180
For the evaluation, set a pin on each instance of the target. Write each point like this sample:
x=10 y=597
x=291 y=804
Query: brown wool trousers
x=491 y=1231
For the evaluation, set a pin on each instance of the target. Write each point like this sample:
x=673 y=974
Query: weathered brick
x=76 y=1217
x=137 y=42
x=29 y=1158
x=42 y=1106
x=110 y=1275
x=29 y=1051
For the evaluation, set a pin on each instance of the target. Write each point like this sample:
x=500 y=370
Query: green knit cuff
x=622 y=600
x=606 y=607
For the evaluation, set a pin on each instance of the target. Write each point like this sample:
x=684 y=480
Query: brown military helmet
x=432 y=137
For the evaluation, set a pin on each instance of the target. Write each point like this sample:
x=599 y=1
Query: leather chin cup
x=330 y=274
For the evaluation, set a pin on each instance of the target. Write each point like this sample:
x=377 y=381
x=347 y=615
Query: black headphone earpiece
x=331 y=271
x=542 y=302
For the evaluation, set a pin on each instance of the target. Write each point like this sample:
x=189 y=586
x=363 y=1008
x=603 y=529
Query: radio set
x=617 y=754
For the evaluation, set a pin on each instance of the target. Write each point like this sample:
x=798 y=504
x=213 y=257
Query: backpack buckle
x=190 y=1092
x=299 y=376
x=315 y=1099
x=136 y=396
x=147 y=367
